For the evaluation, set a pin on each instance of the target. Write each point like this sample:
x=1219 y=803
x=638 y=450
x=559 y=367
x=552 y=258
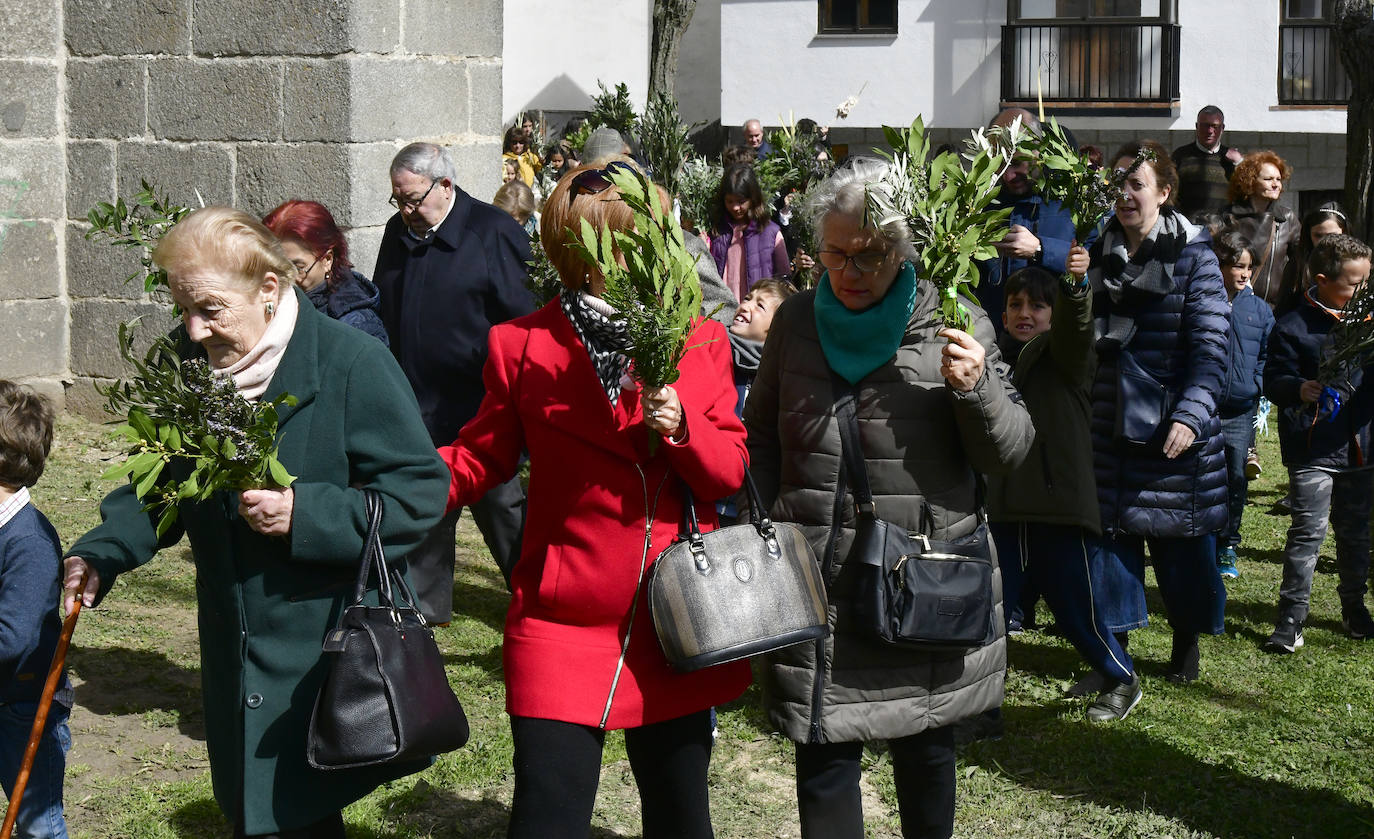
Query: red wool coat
x=593 y=484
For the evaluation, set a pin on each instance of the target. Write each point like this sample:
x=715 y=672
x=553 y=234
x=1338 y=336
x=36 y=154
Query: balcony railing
x=1310 y=70
x=1104 y=63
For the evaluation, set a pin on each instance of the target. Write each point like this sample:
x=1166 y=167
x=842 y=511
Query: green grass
x=1261 y=746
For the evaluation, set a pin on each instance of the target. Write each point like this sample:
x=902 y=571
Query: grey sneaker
x=1358 y=625
x=1287 y=637
x=1116 y=702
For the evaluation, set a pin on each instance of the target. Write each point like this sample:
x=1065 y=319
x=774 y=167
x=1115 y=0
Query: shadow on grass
x=1124 y=767
x=486 y=602
x=118 y=681
x=431 y=812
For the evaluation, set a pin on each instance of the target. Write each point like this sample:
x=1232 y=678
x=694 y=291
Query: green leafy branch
x=697 y=192
x=191 y=433
x=664 y=140
x=140 y=225
x=947 y=206
x=613 y=109
x=1088 y=193
x=650 y=280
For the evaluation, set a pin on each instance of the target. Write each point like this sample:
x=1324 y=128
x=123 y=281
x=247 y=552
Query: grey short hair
x=845 y=193
x=426 y=160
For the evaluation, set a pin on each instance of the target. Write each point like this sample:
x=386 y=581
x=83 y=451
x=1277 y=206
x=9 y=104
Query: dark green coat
x=1054 y=373
x=266 y=603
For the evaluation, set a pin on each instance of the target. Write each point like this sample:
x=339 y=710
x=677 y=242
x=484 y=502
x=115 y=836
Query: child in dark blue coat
x=30 y=566
x=1330 y=473
x=1251 y=324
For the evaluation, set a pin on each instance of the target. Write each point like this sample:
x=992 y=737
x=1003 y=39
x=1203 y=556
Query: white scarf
x=253 y=373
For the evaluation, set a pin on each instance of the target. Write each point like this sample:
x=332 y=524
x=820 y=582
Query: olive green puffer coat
x=922 y=443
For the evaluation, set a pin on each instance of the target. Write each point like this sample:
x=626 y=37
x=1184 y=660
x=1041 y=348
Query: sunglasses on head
x=594 y=181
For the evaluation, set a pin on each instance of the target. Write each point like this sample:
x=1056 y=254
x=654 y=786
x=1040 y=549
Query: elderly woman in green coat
x=275 y=566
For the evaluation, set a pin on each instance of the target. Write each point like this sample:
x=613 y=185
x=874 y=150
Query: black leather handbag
x=737 y=591
x=386 y=697
x=905 y=589
x=1142 y=402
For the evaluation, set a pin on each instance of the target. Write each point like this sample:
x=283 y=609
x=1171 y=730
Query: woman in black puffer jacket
x=1161 y=475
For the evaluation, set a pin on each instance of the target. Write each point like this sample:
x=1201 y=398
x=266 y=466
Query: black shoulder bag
x=386 y=697
x=906 y=589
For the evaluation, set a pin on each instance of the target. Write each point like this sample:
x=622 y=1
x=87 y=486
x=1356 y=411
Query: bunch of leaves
x=698 y=191
x=650 y=279
x=192 y=434
x=137 y=224
x=542 y=280
x=1089 y=193
x=578 y=139
x=664 y=140
x=792 y=166
x=948 y=207
x=613 y=110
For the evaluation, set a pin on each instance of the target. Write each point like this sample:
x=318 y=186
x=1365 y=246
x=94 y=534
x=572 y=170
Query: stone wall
x=242 y=102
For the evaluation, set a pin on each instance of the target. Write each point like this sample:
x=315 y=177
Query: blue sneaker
x=1226 y=563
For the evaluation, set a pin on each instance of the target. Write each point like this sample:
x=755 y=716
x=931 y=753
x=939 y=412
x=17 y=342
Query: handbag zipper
x=649 y=511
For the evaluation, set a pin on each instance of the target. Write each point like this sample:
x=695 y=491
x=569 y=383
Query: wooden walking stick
x=40 y=719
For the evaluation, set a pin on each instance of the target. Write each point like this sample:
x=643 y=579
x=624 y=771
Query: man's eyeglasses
x=594 y=181
x=410 y=204
x=865 y=262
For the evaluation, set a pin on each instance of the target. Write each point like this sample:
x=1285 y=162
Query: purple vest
x=758 y=252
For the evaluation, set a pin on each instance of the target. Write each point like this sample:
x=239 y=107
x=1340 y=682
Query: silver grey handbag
x=737 y=591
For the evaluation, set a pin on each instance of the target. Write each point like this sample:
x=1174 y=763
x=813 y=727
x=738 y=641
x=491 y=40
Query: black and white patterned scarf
x=604 y=338
x=1123 y=284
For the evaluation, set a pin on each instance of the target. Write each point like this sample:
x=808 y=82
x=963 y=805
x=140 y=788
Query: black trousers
x=558 y=765
x=499 y=515
x=922 y=765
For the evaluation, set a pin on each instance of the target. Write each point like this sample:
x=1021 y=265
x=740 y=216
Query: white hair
x=846 y=193
x=426 y=160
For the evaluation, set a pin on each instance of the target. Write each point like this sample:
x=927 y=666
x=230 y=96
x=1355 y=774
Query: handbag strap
x=757 y=515
x=853 y=453
x=390 y=581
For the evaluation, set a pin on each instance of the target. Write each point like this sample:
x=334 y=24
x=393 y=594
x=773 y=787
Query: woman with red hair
x=314 y=243
x=1271 y=226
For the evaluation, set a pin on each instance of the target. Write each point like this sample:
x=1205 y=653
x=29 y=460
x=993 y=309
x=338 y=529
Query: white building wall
x=945 y=63
x=555 y=52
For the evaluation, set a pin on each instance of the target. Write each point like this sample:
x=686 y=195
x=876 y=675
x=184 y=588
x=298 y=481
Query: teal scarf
x=857 y=343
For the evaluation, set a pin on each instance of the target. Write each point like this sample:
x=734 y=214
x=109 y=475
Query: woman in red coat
x=580 y=653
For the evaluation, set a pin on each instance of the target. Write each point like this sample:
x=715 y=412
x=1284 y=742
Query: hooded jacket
x=355 y=301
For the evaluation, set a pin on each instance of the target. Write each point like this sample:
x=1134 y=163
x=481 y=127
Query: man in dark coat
x=449 y=268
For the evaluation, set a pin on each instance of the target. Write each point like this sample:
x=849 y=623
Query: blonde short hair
x=228 y=240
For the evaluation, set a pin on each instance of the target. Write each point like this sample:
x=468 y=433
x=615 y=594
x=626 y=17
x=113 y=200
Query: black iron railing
x=1310 y=71
x=1106 y=62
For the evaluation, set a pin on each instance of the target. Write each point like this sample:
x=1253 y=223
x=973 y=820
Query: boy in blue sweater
x=1329 y=470
x=30 y=564
x=1251 y=324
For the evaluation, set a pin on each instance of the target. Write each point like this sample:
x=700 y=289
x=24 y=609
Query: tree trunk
x=671 y=19
x=1354 y=30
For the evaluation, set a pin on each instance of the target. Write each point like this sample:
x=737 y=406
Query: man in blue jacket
x=449 y=268
x=1039 y=232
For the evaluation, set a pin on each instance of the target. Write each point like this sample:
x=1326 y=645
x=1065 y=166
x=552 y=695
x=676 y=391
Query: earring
x=271 y=310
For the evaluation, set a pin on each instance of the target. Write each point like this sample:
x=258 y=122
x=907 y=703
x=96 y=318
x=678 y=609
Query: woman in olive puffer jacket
x=934 y=408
